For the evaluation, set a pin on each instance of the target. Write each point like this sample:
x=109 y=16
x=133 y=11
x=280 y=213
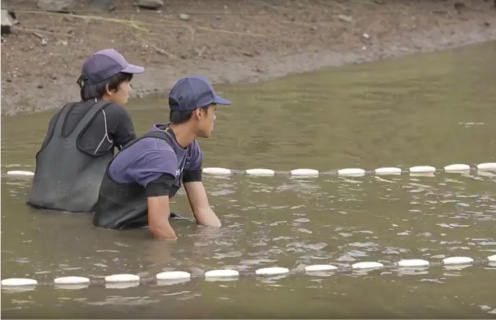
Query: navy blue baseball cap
x=106 y=63
x=193 y=92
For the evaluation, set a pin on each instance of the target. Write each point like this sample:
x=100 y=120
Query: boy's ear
x=107 y=90
x=198 y=113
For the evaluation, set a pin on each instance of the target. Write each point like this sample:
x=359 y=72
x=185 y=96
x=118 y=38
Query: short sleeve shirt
x=149 y=158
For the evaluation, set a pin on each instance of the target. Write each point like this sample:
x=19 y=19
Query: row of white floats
x=488 y=166
x=227 y=273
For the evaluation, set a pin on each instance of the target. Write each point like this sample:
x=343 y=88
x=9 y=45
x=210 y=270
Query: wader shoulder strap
x=90 y=114
x=162 y=135
x=155 y=134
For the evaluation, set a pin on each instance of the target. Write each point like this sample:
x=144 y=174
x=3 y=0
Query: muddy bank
x=225 y=40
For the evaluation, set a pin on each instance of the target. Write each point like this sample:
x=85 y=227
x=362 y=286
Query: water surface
x=434 y=109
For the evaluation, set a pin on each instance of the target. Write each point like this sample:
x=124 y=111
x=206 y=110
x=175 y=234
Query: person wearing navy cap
x=82 y=136
x=141 y=179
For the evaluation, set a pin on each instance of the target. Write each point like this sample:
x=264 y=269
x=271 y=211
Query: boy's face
x=121 y=95
x=206 y=120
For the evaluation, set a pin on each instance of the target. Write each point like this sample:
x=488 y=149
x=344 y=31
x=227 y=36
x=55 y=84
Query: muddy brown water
x=433 y=109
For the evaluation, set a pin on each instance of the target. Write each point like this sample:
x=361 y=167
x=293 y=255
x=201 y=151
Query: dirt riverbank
x=227 y=41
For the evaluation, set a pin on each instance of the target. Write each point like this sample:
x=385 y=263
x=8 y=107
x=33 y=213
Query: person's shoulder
x=112 y=110
x=156 y=144
x=150 y=146
x=145 y=149
x=119 y=120
x=115 y=108
x=150 y=153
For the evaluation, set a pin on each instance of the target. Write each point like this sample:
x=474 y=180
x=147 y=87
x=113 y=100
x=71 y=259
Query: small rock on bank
x=184 y=17
x=345 y=18
x=8 y=21
x=57 y=5
x=150 y=4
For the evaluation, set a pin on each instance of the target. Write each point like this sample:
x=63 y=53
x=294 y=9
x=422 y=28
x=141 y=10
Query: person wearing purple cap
x=141 y=179
x=82 y=136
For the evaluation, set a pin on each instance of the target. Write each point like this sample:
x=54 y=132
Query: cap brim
x=219 y=100
x=131 y=68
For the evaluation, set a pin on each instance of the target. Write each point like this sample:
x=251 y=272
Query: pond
x=432 y=109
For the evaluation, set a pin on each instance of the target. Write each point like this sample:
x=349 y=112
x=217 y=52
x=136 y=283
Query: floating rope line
x=355 y=172
x=346 y=172
x=175 y=277
x=172 y=277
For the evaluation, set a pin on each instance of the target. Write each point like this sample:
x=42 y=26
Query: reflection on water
x=422 y=110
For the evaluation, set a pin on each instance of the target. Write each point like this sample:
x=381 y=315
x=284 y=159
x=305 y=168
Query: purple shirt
x=149 y=158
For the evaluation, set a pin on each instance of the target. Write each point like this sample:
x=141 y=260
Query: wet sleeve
x=194 y=171
x=161 y=186
x=120 y=127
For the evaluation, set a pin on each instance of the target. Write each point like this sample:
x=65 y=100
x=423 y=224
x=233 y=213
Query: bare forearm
x=158 y=218
x=207 y=217
x=163 y=231
x=199 y=204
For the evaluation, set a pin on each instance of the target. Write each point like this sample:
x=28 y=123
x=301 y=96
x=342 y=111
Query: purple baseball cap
x=193 y=92
x=106 y=63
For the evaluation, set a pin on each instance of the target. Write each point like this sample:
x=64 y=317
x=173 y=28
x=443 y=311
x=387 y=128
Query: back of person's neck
x=184 y=133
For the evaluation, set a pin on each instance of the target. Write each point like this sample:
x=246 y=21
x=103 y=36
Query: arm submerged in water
x=200 y=206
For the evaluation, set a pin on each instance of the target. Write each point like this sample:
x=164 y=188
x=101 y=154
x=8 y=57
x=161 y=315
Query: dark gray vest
x=67 y=178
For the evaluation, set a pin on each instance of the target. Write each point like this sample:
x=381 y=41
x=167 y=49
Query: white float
x=122 y=278
x=260 y=172
x=413 y=263
x=20 y=173
x=487 y=166
x=305 y=172
x=320 y=267
x=492 y=258
x=173 y=275
x=351 y=172
x=458 y=260
x=388 y=170
x=221 y=273
x=17 y=282
x=457 y=167
x=367 y=265
x=271 y=271
x=216 y=171
x=422 y=169
x=71 y=280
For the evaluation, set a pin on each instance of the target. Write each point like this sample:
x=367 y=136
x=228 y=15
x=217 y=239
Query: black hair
x=92 y=91
x=178 y=117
